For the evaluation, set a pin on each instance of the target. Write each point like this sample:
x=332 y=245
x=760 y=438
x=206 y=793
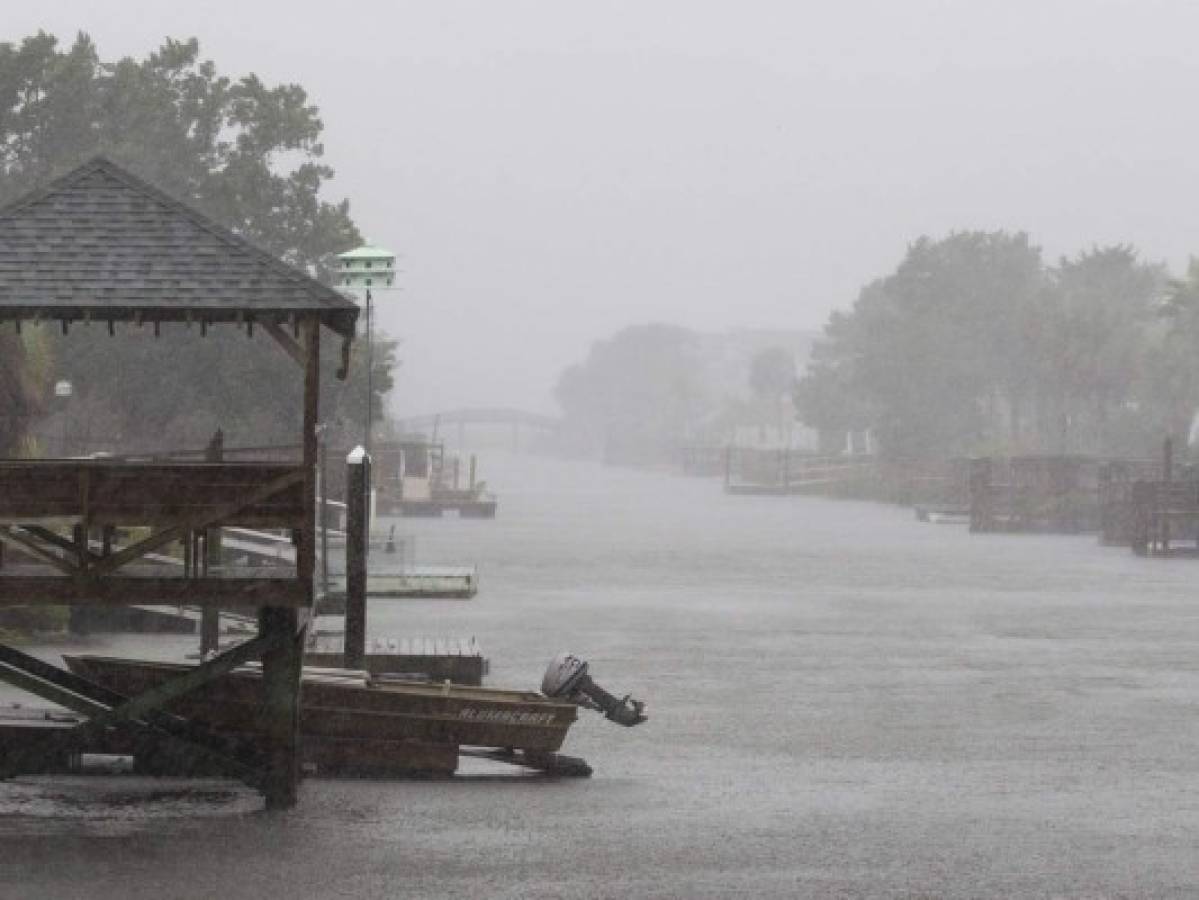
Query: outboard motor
x=567 y=679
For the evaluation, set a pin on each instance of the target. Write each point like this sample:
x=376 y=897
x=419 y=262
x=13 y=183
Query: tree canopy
x=245 y=153
x=636 y=393
x=772 y=373
x=974 y=345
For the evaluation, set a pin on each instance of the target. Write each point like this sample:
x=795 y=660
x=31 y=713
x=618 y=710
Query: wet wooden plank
x=132 y=494
x=50 y=590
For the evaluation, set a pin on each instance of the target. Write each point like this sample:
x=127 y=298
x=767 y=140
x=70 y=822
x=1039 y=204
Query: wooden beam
x=210 y=616
x=158 y=697
x=95 y=701
x=57 y=540
x=156 y=494
x=282 y=667
x=62 y=678
x=52 y=590
x=196 y=523
x=281 y=671
x=357 y=503
x=306 y=552
x=10 y=535
x=39 y=687
x=286 y=341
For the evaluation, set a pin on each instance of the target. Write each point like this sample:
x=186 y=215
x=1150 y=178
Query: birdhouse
x=365 y=268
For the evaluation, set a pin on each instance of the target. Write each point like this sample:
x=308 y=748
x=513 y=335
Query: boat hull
x=345 y=709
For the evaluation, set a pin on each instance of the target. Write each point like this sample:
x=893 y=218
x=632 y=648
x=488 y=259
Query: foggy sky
x=552 y=171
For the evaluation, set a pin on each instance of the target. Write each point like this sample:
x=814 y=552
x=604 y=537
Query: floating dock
x=414 y=583
x=783 y=472
x=414 y=478
x=436 y=659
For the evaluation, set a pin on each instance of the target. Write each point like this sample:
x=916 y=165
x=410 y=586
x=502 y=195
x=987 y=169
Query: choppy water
x=843 y=702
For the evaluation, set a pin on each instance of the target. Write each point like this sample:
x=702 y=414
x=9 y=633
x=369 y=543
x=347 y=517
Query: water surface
x=843 y=701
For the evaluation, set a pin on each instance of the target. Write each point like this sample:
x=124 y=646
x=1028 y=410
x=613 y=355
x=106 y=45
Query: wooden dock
x=1165 y=518
x=458 y=660
x=1117 y=506
x=1047 y=494
x=414 y=478
x=756 y=472
x=146 y=258
x=410 y=583
x=706 y=461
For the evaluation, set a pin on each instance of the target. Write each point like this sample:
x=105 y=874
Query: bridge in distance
x=518 y=420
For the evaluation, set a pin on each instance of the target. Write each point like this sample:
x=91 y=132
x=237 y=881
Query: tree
x=772 y=383
x=827 y=397
x=215 y=142
x=973 y=346
x=1092 y=342
x=1170 y=395
x=246 y=154
x=637 y=395
x=772 y=373
x=935 y=351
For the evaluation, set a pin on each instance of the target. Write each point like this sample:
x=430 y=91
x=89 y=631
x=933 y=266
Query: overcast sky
x=553 y=171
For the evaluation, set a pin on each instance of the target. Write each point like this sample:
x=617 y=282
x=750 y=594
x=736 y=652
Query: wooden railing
x=126 y=494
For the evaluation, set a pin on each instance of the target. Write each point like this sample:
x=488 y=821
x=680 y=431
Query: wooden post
x=1166 y=498
x=980 y=494
x=324 y=515
x=210 y=616
x=357 y=499
x=282 y=667
x=306 y=552
x=1142 y=539
x=281 y=670
x=80 y=619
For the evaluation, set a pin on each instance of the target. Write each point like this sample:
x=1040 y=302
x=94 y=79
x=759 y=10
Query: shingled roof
x=100 y=243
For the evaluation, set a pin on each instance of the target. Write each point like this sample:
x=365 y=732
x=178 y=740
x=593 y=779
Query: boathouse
x=101 y=249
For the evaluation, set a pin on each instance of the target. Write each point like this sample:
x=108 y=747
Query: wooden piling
x=323 y=482
x=980 y=495
x=1167 y=478
x=180 y=502
x=281 y=670
x=357 y=493
x=210 y=616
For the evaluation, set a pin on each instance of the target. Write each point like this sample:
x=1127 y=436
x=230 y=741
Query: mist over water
x=842 y=701
x=922 y=249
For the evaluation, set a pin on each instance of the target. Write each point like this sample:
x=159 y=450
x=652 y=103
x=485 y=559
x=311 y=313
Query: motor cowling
x=567 y=678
